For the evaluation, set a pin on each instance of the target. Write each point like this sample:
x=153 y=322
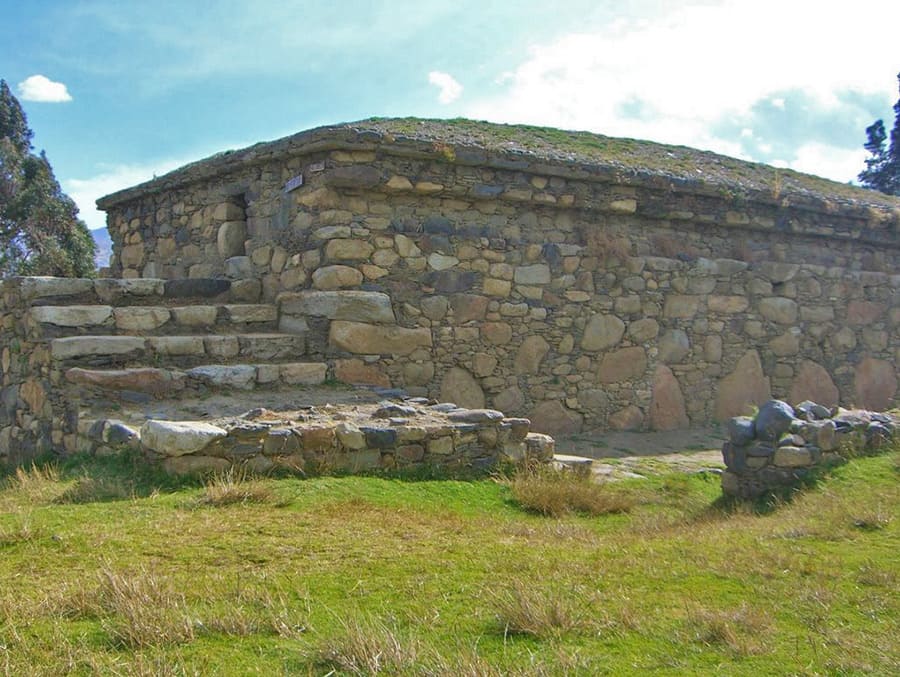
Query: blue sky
x=119 y=90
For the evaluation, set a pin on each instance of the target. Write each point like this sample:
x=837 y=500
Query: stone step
x=138 y=291
x=188 y=350
x=70 y=320
x=577 y=464
x=162 y=383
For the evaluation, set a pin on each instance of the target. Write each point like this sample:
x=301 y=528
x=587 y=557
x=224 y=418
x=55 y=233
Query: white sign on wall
x=293 y=183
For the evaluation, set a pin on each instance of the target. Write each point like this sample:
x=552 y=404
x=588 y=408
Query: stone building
x=574 y=279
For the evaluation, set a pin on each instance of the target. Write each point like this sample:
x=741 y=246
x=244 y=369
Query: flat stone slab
x=82 y=346
x=143 y=379
x=41 y=287
x=178 y=438
x=72 y=316
x=360 y=306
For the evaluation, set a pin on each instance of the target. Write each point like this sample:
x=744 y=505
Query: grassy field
x=108 y=568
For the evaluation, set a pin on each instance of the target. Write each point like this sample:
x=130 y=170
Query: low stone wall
x=390 y=435
x=781 y=445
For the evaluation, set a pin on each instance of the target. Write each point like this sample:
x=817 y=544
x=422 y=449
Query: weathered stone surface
x=875 y=384
x=353 y=176
x=240 y=376
x=681 y=306
x=434 y=307
x=539 y=273
x=459 y=386
x=72 y=316
x=195 y=316
x=667 y=411
x=348 y=250
x=418 y=373
x=602 y=332
x=864 y=312
x=813 y=382
x=674 y=346
x=359 y=306
x=629 y=418
x=81 y=346
x=530 y=355
x=303 y=373
x=741 y=430
x=357 y=372
x=622 y=365
x=42 y=287
x=497 y=333
x=773 y=420
x=778 y=309
x=141 y=318
x=230 y=238
x=744 y=388
x=349 y=436
x=468 y=307
x=438 y=261
x=787 y=344
x=336 y=277
x=510 y=400
x=177 y=438
x=777 y=272
x=110 y=290
x=250 y=313
x=643 y=330
x=143 y=379
x=727 y=304
x=792 y=457
x=553 y=418
x=369 y=339
x=176 y=345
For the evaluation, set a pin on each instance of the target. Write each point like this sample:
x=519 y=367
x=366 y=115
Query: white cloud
x=86 y=191
x=834 y=163
x=450 y=88
x=693 y=66
x=42 y=89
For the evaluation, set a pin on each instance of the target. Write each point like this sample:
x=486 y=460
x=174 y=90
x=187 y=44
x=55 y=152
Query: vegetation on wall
x=40 y=232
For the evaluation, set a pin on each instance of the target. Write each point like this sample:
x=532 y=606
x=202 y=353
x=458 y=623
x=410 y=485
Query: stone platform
x=390 y=434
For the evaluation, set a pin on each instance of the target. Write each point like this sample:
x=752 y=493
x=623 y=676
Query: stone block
x=622 y=365
x=178 y=438
x=667 y=410
x=71 y=316
x=336 y=277
x=530 y=355
x=369 y=339
x=778 y=309
x=538 y=273
x=240 y=376
x=230 y=239
x=141 y=318
x=348 y=250
x=86 y=346
x=361 y=306
x=602 y=332
x=459 y=386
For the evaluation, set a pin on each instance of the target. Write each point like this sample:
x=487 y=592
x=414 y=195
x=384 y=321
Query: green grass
x=107 y=567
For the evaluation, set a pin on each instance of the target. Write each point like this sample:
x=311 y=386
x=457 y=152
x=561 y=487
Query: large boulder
x=774 y=420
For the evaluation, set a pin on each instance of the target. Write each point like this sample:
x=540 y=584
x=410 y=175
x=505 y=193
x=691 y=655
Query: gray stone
x=741 y=430
x=475 y=415
x=674 y=346
x=336 y=277
x=200 y=287
x=359 y=306
x=530 y=355
x=778 y=309
x=251 y=312
x=552 y=418
x=86 y=346
x=238 y=267
x=141 y=318
x=42 y=287
x=773 y=420
x=641 y=331
x=195 y=316
x=602 y=332
x=459 y=386
x=369 y=339
x=348 y=250
x=538 y=273
x=71 y=316
x=792 y=457
x=177 y=438
x=241 y=376
x=176 y=345
x=434 y=307
x=622 y=365
x=230 y=239
x=747 y=386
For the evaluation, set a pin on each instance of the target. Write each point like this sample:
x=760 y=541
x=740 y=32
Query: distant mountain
x=104 y=247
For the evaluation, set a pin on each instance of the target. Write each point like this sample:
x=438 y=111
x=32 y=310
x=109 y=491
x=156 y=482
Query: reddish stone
x=357 y=372
x=875 y=384
x=667 y=410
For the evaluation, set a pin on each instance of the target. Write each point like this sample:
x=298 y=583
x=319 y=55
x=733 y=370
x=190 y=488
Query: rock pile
x=782 y=444
x=390 y=434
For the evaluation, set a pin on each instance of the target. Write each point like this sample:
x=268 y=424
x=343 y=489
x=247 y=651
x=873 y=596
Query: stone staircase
x=138 y=349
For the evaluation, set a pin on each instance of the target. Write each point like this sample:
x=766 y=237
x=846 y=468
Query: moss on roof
x=625 y=157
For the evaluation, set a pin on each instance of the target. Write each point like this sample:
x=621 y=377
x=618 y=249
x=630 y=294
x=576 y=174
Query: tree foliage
x=882 y=170
x=40 y=232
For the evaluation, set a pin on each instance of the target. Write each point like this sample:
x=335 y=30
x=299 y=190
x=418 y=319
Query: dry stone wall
x=574 y=295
